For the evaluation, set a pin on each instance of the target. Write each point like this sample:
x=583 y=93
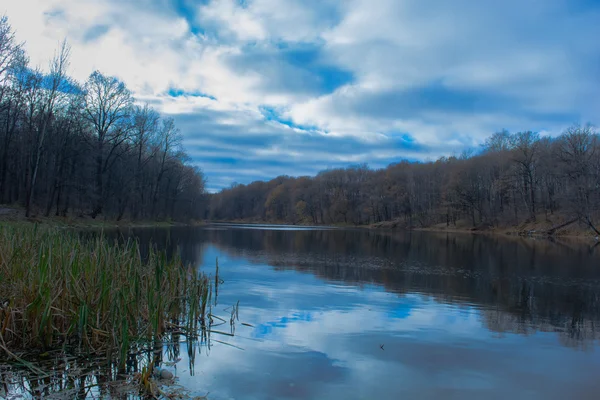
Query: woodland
x=90 y=149
x=515 y=178
x=87 y=148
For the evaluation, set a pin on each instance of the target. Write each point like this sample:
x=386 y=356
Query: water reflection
x=521 y=285
x=60 y=375
x=353 y=314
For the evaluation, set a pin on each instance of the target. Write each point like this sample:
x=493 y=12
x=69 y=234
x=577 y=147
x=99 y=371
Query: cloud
x=298 y=69
x=257 y=149
x=262 y=88
x=315 y=339
x=95 y=32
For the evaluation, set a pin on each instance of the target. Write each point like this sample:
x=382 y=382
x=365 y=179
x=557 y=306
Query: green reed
x=60 y=290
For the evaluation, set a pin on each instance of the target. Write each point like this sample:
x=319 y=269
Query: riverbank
x=17 y=215
x=557 y=226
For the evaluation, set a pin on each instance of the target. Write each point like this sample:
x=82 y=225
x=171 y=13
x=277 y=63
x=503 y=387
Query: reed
x=59 y=290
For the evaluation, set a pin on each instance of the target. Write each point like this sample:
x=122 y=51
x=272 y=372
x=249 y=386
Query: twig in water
x=214 y=316
x=221 y=333
x=229 y=344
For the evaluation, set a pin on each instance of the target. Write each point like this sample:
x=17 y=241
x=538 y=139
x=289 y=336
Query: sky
x=262 y=88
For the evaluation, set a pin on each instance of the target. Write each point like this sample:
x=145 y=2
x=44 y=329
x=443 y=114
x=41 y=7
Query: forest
x=90 y=149
x=87 y=148
x=514 y=178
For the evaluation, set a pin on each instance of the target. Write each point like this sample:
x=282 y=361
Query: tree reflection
x=522 y=285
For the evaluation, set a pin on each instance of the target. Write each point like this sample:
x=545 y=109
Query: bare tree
x=512 y=178
x=81 y=150
x=525 y=149
x=107 y=103
x=11 y=54
x=145 y=123
x=578 y=154
x=169 y=140
x=498 y=142
x=52 y=87
x=13 y=64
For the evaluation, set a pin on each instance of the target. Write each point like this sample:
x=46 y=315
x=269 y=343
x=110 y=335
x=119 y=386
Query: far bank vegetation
x=522 y=181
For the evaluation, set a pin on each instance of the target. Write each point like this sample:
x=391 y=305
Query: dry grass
x=58 y=290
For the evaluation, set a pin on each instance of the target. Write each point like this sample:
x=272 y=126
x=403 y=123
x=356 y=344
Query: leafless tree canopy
x=513 y=179
x=87 y=149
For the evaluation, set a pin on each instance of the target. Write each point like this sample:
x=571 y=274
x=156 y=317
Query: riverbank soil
x=554 y=225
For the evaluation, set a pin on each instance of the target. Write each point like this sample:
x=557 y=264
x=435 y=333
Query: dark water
x=351 y=314
x=342 y=314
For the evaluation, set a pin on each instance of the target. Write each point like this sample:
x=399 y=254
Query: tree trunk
x=65 y=209
x=4 y=173
x=532 y=198
x=36 y=165
x=99 y=185
x=55 y=184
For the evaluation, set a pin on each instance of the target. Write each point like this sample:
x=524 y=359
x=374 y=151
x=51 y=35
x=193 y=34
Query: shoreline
x=16 y=215
x=536 y=230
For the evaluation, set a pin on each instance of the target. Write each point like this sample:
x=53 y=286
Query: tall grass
x=58 y=289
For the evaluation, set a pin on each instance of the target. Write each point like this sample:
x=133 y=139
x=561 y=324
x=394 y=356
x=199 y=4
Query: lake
x=356 y=314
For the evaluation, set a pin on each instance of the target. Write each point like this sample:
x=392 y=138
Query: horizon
x=261 y=89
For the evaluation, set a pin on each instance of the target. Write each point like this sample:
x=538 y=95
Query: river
x=356 y=314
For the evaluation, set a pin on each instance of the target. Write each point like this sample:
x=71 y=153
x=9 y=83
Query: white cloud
x=447 y=74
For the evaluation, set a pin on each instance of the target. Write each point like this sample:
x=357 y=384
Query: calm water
x=351 y=314
x=341 y=314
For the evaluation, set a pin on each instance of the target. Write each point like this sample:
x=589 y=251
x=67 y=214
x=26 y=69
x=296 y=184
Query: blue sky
x=261 y=88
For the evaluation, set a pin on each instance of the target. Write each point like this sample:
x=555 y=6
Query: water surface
x=356 y=314
x=353 y=314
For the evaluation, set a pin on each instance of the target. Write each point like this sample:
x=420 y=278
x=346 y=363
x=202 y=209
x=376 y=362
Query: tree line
x=514 y=178
x=73 y=148
x=88 y=148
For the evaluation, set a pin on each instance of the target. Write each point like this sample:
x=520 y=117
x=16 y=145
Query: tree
x=578 y=153
x=84 y=149
x=145 y=123
x=11 y=55
x=498 y=142
x=515 y=177
x=51 y=87
x=525 y=155
x=13 y=66
x=168 y=143
x=107 y=105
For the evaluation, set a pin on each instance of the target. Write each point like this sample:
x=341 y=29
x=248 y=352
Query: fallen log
x=552 y=230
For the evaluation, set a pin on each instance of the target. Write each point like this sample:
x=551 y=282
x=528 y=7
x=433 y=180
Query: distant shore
x=529 y=229
x=535 y=229
x=558 y=227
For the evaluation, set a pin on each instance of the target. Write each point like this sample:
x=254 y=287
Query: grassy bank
x=60 y=291
x=13 y=215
